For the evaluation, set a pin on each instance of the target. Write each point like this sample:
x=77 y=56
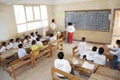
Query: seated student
x=26 y=39
x=117 y=55
x=100 y=58
x=82 y=47
x=35 y=46
x=39 y=42
x=90 y=54
x=63 y=65
x=18 y=41
x=33 y=37
x=53 y=38
x=36 y=34
x=11 y=44
x=4 y=47
x=21 y=51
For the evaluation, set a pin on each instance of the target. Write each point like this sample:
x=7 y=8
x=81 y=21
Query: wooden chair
x=59 y=44
x=69 y=76
x=75 y=51
x=24 y=63
x=43 y=53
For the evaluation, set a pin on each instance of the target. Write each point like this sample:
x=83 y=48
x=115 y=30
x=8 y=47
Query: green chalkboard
x=98 y=20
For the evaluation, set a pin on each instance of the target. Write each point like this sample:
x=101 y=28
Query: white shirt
x=82 y=48
x=99 y=59
x=53 y=39
x=90 y=55
x=21 y=52
x=33 y=38
x=71 y=29
x=117 y=53
x=16 y=44
x=39 y=43
x=63 y=65
x=11 y=45
x=3 y=48
x=52 y=26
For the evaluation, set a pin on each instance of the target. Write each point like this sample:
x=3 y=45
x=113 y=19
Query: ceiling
x=39 y=1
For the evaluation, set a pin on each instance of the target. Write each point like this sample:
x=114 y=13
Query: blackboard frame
x=88 y=11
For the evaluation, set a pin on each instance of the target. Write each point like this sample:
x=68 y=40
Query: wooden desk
x=113 y=74
x=7 y=57
x=96 y=76
x=45 y=40
x=78 y=67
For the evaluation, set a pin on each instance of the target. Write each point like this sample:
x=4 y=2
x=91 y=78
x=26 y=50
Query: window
x=30 y=17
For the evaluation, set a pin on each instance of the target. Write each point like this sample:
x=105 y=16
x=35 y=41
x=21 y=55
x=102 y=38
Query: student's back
x=62 y=64
x=100 y=58
x=21 y=51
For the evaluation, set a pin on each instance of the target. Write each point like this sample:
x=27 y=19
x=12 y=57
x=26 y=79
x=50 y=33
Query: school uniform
x=39 y=43
x=99 y=59
x=33 y=37
x=82 y=47
x=21 y=52
x=3 y=49
x=63 y=65
x=11 y=45
x=16 y=44
x=53 y=26
x=70 y=30
x=90 y=55
x=116 y=58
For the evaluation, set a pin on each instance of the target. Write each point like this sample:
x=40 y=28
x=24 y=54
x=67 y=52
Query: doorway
x=116 y=27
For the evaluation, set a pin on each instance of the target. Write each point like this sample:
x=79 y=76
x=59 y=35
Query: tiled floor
x=42 y=71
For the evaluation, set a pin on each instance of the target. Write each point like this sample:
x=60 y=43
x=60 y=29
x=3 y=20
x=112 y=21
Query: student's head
x=53 y=20
x=51 y=35
x=60 y=55
x=33 y=42
x=83 y=39
x=11 y=40
x=101 y=50
x=69 y=24
x=118 y=43
x=26 y=37
x=32 y=33
x=94 y=48
x=4 y=44
x=38 y=39
x=36 y=32
x=84 y=57
x=20 y=46
x=17 y=39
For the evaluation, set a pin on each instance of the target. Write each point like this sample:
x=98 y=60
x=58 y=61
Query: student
x=21 y=51
x=4 y=47
x=18 y=41
x=53 y=26
x=70 y=30
x=53 y=38
x=117 y=55
x=35 y=46
x=11 y=44
x=82 y=47
x=63 y=65
x=39 y=42
x=26 y=39
x=100 y=58
x=90 y=54
x=33 y=37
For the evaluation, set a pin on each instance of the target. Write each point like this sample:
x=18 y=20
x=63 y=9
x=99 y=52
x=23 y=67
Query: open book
x=88 y=65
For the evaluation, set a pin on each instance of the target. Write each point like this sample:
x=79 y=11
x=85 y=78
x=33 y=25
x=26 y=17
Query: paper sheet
x=88 y=65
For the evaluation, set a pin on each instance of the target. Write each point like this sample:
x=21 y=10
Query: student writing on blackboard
x=70 y=30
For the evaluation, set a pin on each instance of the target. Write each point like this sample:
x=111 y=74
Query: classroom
x=59 y=39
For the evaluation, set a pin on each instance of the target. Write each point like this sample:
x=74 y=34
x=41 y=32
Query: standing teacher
x=70 y=30
x=53 y=26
